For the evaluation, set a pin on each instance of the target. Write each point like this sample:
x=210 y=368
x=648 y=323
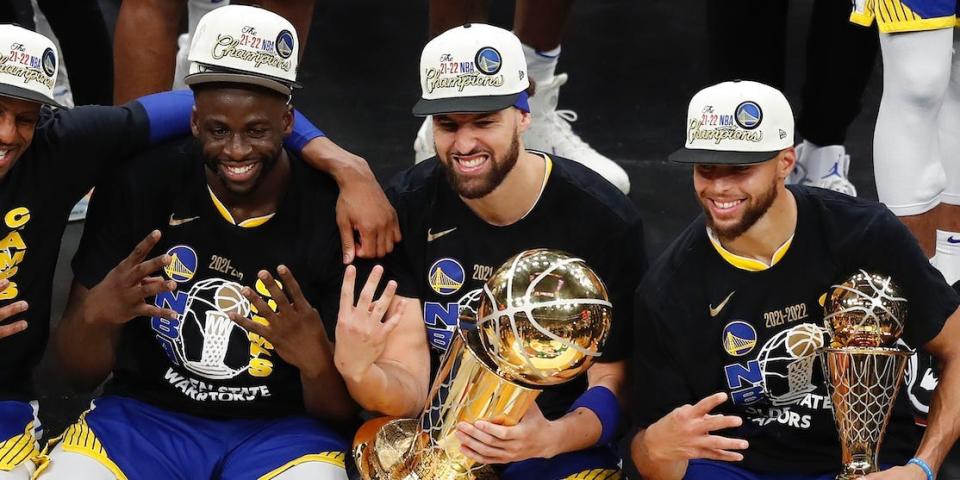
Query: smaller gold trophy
x=863 y=367
x=542 y=319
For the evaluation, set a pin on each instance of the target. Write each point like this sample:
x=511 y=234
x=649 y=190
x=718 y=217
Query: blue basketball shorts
x=894 y=16
x=19 y=433
x=139 y=441
x=598 y=463
x=714 y=470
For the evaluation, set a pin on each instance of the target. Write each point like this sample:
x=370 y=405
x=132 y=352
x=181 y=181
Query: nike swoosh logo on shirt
x=433 y=236
x=180 y=221
x=950 y=239
x=716 y=311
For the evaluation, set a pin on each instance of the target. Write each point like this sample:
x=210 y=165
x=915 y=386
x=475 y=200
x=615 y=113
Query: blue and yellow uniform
x=894 y=16
x=200 y=397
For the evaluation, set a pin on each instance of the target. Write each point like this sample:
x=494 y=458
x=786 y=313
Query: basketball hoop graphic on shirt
x=204 y=343
x=786 y=363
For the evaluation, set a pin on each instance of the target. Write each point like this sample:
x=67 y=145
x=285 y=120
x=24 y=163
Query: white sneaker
x=550 y=132
x=834 y=177
x=423 y=146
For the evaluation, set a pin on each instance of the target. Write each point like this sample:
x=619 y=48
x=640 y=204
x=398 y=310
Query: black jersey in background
x=202 y=363
x=448 y=252
x=69 y=150
x=704 y=325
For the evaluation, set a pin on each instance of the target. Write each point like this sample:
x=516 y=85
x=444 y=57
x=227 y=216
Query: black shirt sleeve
x=888 y=247
x=399 y=265
x=84 y=141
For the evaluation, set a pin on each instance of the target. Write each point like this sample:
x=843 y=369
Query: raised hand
x=120 y=296
x=295 y=330
x=361 y=332
x=10 y=310
x=685 y=434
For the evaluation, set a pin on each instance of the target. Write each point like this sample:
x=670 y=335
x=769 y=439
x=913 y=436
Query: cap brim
x=284 y=88
x=24 y=94
x=715 y=157
x=483 y=104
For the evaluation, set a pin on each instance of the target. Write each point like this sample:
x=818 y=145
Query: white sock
x=822 y=161
x=948 y=255
x=541 y=65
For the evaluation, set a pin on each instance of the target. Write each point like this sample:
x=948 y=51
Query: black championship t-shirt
x=68 y=153
x=204 y=364
x=448 y=252
x=705 y=325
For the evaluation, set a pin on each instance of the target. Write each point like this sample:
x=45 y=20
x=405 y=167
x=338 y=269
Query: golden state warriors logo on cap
x=446 y=276
x=49 y=62
x=488 y=60
x=183 y=264
x=284 y=43
x=748 y=115
x=739 y=338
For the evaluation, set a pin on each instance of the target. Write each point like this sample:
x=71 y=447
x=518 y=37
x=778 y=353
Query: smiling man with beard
x=485 y=198
x=220 y=368
x=719 y=392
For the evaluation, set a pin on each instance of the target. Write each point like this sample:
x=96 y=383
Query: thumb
x=346 y=239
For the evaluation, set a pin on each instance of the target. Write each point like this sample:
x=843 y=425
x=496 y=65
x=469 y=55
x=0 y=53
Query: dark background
x=633 y=66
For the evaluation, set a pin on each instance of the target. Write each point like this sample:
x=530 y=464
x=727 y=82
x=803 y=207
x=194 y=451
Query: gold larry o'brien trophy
x=542 y=319
x=863 y=366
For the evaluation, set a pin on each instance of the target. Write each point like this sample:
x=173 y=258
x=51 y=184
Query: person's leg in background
x=195 y=10
x=747 y=40
x=908 y=162
x=145 y=46
x=948 y=225
x=840 y=58
x=85 y=44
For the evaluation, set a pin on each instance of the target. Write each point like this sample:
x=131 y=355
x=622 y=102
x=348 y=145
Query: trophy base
x=382 y=451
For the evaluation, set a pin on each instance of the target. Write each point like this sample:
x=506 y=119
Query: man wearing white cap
x=483 y=199
x=220 y=368
x=722 y=389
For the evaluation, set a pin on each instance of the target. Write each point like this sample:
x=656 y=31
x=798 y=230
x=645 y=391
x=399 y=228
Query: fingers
x=705 y=406
x=716 y=442
x=384 y=245
x=346 y=291
x=259 y=304
x=142 y=249
x=250 y=326
x=720 y=455
x=143 y=269
x=395 y=226
x=147 y=310
x=380 y=306
x=292 y=288
x=346 y=238
x=276 y=293
x=479 y=447
x=720 y=422
x=4 y=284
x=369 y=288
x=13 y=309
x=493 y=431
x=151 y=288
x=15 y=327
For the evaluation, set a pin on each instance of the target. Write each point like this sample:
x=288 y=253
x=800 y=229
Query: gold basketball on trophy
x=543 y=317
x=867 y=310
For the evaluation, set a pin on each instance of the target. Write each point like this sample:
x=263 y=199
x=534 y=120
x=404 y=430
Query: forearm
x=324 y=155
x=650 y=467
x=86 y=351
x=943 y=422
x=325 y=394
x=577 y=430
x=389 y=389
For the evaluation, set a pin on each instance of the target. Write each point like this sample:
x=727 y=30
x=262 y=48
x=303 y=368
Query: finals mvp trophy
x=863 y=367
x=541 y=321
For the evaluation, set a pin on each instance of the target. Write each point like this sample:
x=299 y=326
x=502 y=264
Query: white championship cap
x=736 y=123
x=475 y=68
x=241 y=44
x=28 y=65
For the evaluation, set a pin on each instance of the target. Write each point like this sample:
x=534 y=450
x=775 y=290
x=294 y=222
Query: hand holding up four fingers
x=362 y=331
x=10 y=310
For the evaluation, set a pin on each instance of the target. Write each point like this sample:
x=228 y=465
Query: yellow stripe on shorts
x=79 y=438
x=597 y=474
x=894 y=16
x=334 y=458
x=15 y=450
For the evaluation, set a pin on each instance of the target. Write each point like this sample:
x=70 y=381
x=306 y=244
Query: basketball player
x=728 y=384
x=253 y=399
x=50 y=158
x=483 y=199
x=539 y=24
x=915 y=143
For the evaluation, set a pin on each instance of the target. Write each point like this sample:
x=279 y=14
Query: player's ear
x=524 y=121
x=786 y=162
x=194 y=127
x=288 y=121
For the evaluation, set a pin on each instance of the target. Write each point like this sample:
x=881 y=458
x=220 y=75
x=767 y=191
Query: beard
x=753 y=212
x=481 y=187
